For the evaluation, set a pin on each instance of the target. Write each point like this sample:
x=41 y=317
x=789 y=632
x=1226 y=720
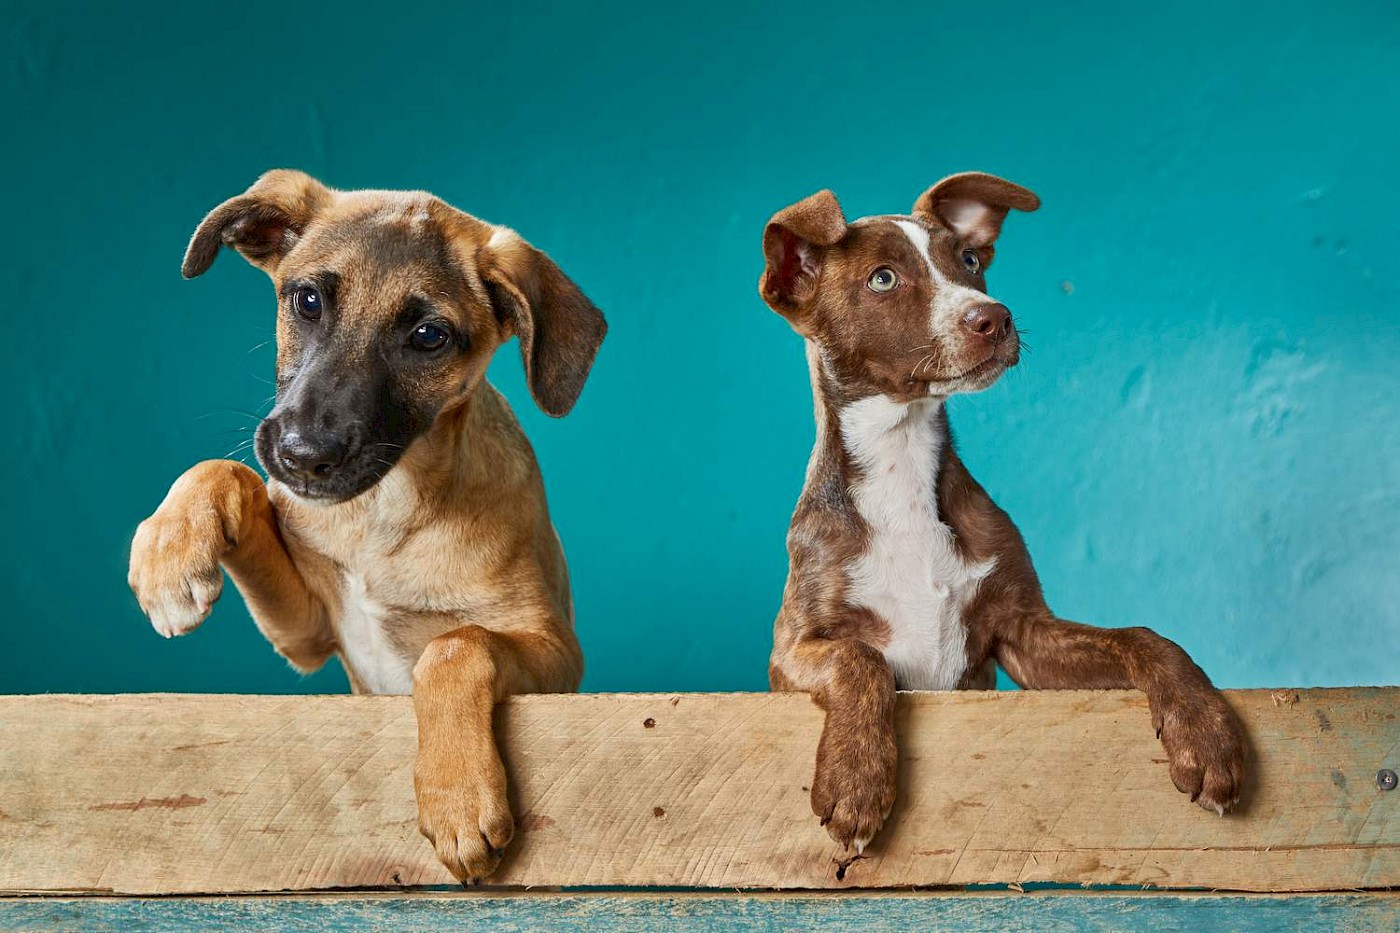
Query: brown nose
x=989 y=322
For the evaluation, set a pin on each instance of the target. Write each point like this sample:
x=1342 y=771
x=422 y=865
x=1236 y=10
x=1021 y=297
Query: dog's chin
x=975 y=378
x=333 y=490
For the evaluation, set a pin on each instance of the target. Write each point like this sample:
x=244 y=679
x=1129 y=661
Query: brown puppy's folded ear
x=559 y=329
x=973 y=205
x=262 y=223
x=792 y=244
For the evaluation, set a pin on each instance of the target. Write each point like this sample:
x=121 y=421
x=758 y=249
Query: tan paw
x=175 y=571
x=1205 y=748
x=467 y=819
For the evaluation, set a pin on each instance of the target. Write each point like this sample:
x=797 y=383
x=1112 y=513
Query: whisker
x=245 y=445
x=227 y=411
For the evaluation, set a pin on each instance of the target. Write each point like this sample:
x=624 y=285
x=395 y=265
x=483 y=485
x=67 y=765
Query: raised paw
x=1205 y=747
x=175 y=571
x=464 y=813
x=854 y=785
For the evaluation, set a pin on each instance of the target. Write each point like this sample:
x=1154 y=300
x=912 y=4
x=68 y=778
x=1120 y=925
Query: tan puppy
x=903 y=572
x=403 y=527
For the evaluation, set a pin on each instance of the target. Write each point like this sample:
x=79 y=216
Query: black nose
x=310 y=456
x=988 y=322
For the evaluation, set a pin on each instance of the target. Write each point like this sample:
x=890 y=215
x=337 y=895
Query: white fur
x=950 y=300
x=360 y=631
x=911 y=575
x=966 y=217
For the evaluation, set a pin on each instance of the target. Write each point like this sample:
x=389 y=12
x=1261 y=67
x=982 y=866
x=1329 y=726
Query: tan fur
x=452 y=549
x=865 y=345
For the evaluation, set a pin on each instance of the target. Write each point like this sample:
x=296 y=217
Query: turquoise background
x=1204 y=439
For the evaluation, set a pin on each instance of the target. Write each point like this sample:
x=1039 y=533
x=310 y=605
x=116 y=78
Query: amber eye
x=883 y=279
x=971 y=262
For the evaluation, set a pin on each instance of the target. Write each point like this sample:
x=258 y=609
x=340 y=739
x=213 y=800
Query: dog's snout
x=988 y=322
x=311 y=456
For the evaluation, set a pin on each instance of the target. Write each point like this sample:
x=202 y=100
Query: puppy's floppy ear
x=792 y=246
x=262 y=223
x=973 y=205
x=559 y=329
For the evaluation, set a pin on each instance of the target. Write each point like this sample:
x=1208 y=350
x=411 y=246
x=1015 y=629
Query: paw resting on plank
x=1205 y=747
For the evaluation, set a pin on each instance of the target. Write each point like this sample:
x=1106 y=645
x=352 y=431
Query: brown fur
x=453 y=544
x=861 y=344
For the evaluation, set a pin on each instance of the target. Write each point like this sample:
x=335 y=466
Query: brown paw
x=854 y=785
x=466 y=817
x=1205 y=748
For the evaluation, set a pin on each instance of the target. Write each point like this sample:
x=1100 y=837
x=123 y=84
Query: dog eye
x=308 y=303
x=971 y=261
x=427 y=337
x=883 y=279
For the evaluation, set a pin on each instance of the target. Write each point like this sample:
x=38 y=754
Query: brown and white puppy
x=403 y=526
x=903 y=572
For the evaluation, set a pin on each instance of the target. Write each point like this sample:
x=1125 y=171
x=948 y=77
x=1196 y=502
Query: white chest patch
x=368 y=652
x=911 y=575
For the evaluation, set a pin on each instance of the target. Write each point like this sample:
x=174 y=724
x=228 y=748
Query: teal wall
x=1206 y=438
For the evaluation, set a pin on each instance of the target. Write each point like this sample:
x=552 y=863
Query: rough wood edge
x=869 y=912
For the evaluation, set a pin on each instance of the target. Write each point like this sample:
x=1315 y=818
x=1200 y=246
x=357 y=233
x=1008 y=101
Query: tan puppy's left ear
x=262 y=223
x=559 y=329
x=973 y=205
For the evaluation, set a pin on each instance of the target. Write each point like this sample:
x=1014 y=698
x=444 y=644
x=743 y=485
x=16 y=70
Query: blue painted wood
x=868 y=913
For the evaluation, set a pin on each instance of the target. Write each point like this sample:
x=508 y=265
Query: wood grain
x=213 y=794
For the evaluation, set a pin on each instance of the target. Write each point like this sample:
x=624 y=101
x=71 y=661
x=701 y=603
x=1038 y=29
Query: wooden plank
x=210 y=794
x=680 y=913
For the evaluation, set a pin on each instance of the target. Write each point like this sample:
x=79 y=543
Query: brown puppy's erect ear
x=559 y=329
x=792 y=245
x=262 y=223
x=973 y=205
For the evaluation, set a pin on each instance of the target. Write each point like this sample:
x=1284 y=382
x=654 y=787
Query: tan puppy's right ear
x=262 y=223
x=792 y=246
x=558 y=328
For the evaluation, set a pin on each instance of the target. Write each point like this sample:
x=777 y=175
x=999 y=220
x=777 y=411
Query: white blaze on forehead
x=950 y=299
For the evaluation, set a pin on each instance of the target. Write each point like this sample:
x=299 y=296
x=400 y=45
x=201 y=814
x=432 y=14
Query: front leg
x=217 y=516
x=459 y=779
x=853 y=787
x=1203 y=738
